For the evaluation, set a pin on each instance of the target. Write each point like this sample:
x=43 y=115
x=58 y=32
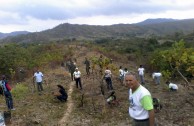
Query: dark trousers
x=72 y=76
x=171 y=89
x=39 y=86
x=62 y=98
x=109 y=83
x=88 y=70
x=78 y=82
x=9 y=100
x=140 y=123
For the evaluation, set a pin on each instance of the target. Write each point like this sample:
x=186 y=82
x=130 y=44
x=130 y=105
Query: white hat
x=76 y=68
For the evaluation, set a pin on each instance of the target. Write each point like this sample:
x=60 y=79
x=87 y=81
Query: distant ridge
x=15 y=33
x=156 y=21
x=66 y=31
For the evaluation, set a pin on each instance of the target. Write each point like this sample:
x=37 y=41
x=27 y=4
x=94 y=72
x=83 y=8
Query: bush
x=19 y=91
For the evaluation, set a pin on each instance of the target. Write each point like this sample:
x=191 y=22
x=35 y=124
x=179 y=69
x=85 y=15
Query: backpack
x=1 y=88
x=157 y=105
x=7 y=86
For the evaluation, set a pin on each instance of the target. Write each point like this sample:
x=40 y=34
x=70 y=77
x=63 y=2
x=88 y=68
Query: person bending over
x=62 y=94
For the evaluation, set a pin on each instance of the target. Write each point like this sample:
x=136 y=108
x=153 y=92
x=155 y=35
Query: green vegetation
x=176 y=60
x=20 y=91
x=17 y=58
x=173 y=59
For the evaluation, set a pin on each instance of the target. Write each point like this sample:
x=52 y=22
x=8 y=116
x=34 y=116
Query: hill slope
x=69 y=31
x=34 y=109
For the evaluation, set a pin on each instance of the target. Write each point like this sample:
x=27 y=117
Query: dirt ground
x=88 y=107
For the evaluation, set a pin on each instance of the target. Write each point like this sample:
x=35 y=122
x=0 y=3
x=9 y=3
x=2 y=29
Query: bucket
x=2 y=122
x=7 y=117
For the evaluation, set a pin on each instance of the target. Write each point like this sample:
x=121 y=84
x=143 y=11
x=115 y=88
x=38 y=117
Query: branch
x=184 y=78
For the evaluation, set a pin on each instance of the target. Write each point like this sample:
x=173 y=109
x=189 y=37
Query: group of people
x=60 y=95
x=141 y=107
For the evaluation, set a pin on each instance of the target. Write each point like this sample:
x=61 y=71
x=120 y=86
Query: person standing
x=39 y=79
x=141 y=74
x=108 y=79
x=141 y=107
x=6 y=91
x=156 y=76
x=77 y=77
x=87 y=63
x=72 y=69
x=121 y=74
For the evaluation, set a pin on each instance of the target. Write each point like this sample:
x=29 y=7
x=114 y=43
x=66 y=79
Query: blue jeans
x=78 y=82
x=157 y=79
x=9 y=100
x=141 y=79
x=109 y=83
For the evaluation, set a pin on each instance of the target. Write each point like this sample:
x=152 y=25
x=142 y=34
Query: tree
x=176 y=60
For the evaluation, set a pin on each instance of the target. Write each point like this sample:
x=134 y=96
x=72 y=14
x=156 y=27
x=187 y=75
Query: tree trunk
x=184 y=78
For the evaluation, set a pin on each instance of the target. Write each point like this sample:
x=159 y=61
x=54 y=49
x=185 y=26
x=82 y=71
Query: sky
x=39 y=15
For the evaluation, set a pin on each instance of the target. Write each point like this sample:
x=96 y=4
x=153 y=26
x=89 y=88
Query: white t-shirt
x=38 y=76
x=136 y=111
x=77 y=74
x=107 y=73
x=121 y=72
x=173 y=86
x=125 y=72
x=141 y=71
x=156 y=75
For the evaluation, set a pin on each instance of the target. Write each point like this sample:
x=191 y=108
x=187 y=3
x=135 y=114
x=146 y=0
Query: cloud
x=23 y=12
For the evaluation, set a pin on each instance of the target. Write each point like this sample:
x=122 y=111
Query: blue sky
x=38 y=15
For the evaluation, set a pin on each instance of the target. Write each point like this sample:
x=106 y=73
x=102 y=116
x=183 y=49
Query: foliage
x=177 y=59
x=19 y=91
x=28 y=56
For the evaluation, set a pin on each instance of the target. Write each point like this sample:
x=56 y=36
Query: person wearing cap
x=77 y=77
x=7 y=93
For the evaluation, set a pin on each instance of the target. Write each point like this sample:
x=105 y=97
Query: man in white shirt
x=141 y=107
x=172 y=87
x=39 y=78
x=156 y=76
x=141 y=74
x=77 y=77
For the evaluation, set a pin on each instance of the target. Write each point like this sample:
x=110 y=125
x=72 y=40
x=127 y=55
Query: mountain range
x=158 y=27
